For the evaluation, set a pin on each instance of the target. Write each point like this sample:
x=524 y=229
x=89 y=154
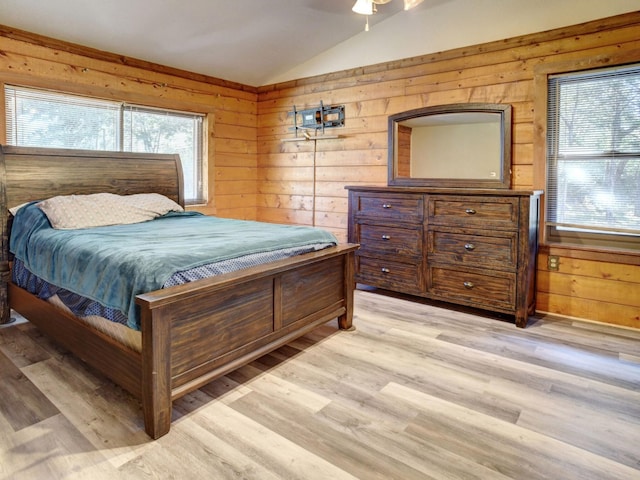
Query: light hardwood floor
x=416 y=392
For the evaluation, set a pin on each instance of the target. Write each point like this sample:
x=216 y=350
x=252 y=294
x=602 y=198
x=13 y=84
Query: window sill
x=608 y=255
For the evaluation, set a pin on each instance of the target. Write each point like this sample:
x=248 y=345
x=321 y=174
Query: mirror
x=458 y=146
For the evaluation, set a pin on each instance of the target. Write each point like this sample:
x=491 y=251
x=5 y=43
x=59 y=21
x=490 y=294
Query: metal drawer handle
x=386 y=237
x=468 y=285
x=470 y=211
x=385 y=270
x=469 y=246
x=386 y=205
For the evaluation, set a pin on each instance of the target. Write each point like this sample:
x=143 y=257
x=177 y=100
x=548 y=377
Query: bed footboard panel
x=309 y=290
x=206 y=328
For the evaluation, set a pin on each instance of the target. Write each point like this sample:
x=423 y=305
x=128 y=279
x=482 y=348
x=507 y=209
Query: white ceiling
x=245 y=41
x=259 y=42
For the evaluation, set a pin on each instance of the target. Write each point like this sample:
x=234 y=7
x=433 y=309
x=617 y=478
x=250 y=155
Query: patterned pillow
x=100 y=209
x=14 y=210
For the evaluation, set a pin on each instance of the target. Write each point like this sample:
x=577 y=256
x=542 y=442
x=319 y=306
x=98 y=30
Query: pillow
x=67 y=212
x=14 y=210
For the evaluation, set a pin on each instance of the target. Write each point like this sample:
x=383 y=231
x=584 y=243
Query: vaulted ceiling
x=253 y=42
x=245 y=41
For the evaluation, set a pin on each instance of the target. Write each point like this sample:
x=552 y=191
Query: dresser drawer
x=473 y=248
x=483 y=212
x=390 y=274
x=406 y=208
x=381 y=240
x=490 y=289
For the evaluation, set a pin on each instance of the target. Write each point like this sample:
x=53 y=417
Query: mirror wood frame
x=504 y=179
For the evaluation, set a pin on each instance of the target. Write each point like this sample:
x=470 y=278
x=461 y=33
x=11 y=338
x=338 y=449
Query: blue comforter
x=113 y=264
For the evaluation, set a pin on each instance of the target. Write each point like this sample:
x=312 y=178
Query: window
x=39 y=118
x=593 y=158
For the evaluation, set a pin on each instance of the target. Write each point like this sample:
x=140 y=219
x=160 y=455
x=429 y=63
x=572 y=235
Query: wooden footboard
x=195 y=332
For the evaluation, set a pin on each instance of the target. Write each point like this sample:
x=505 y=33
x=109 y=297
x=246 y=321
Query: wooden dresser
x=470 y=247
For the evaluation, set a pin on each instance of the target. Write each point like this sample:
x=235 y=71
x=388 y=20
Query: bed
x=191 y=333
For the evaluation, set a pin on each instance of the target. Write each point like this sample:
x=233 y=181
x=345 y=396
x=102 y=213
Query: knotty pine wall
x=31 y=60
x=588 y=285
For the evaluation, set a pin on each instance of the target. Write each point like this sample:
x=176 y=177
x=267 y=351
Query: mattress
x=121 y=333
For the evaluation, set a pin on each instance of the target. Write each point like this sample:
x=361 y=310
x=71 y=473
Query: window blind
x=593 y=154
x=38 y=118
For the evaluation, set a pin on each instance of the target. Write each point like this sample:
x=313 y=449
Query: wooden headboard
x=28 y=173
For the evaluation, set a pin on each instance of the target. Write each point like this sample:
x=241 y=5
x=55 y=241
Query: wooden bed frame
x=191 y=333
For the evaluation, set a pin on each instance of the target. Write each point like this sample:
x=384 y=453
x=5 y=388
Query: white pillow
x=14 y=210
x=67 y=212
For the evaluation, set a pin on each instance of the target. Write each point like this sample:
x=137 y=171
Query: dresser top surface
x=449 y=191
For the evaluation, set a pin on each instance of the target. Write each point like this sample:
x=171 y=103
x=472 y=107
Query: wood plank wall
x=31 y=60
x=291 y=190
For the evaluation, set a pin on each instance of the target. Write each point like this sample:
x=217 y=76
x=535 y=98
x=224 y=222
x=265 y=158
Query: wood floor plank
x=555 y=355
x=105 y=414
x=280 y=455
x=53 y=449
x=192 y=453
x=350 y=392
x=507 y=448
x=225 y=390
x=347 y=453
x=630 y=358
x=397 y=358
x=427 y=457
x=616 y=340
x=21 y=403
x=417 y=391
x=20 y=348
x=254 y=378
